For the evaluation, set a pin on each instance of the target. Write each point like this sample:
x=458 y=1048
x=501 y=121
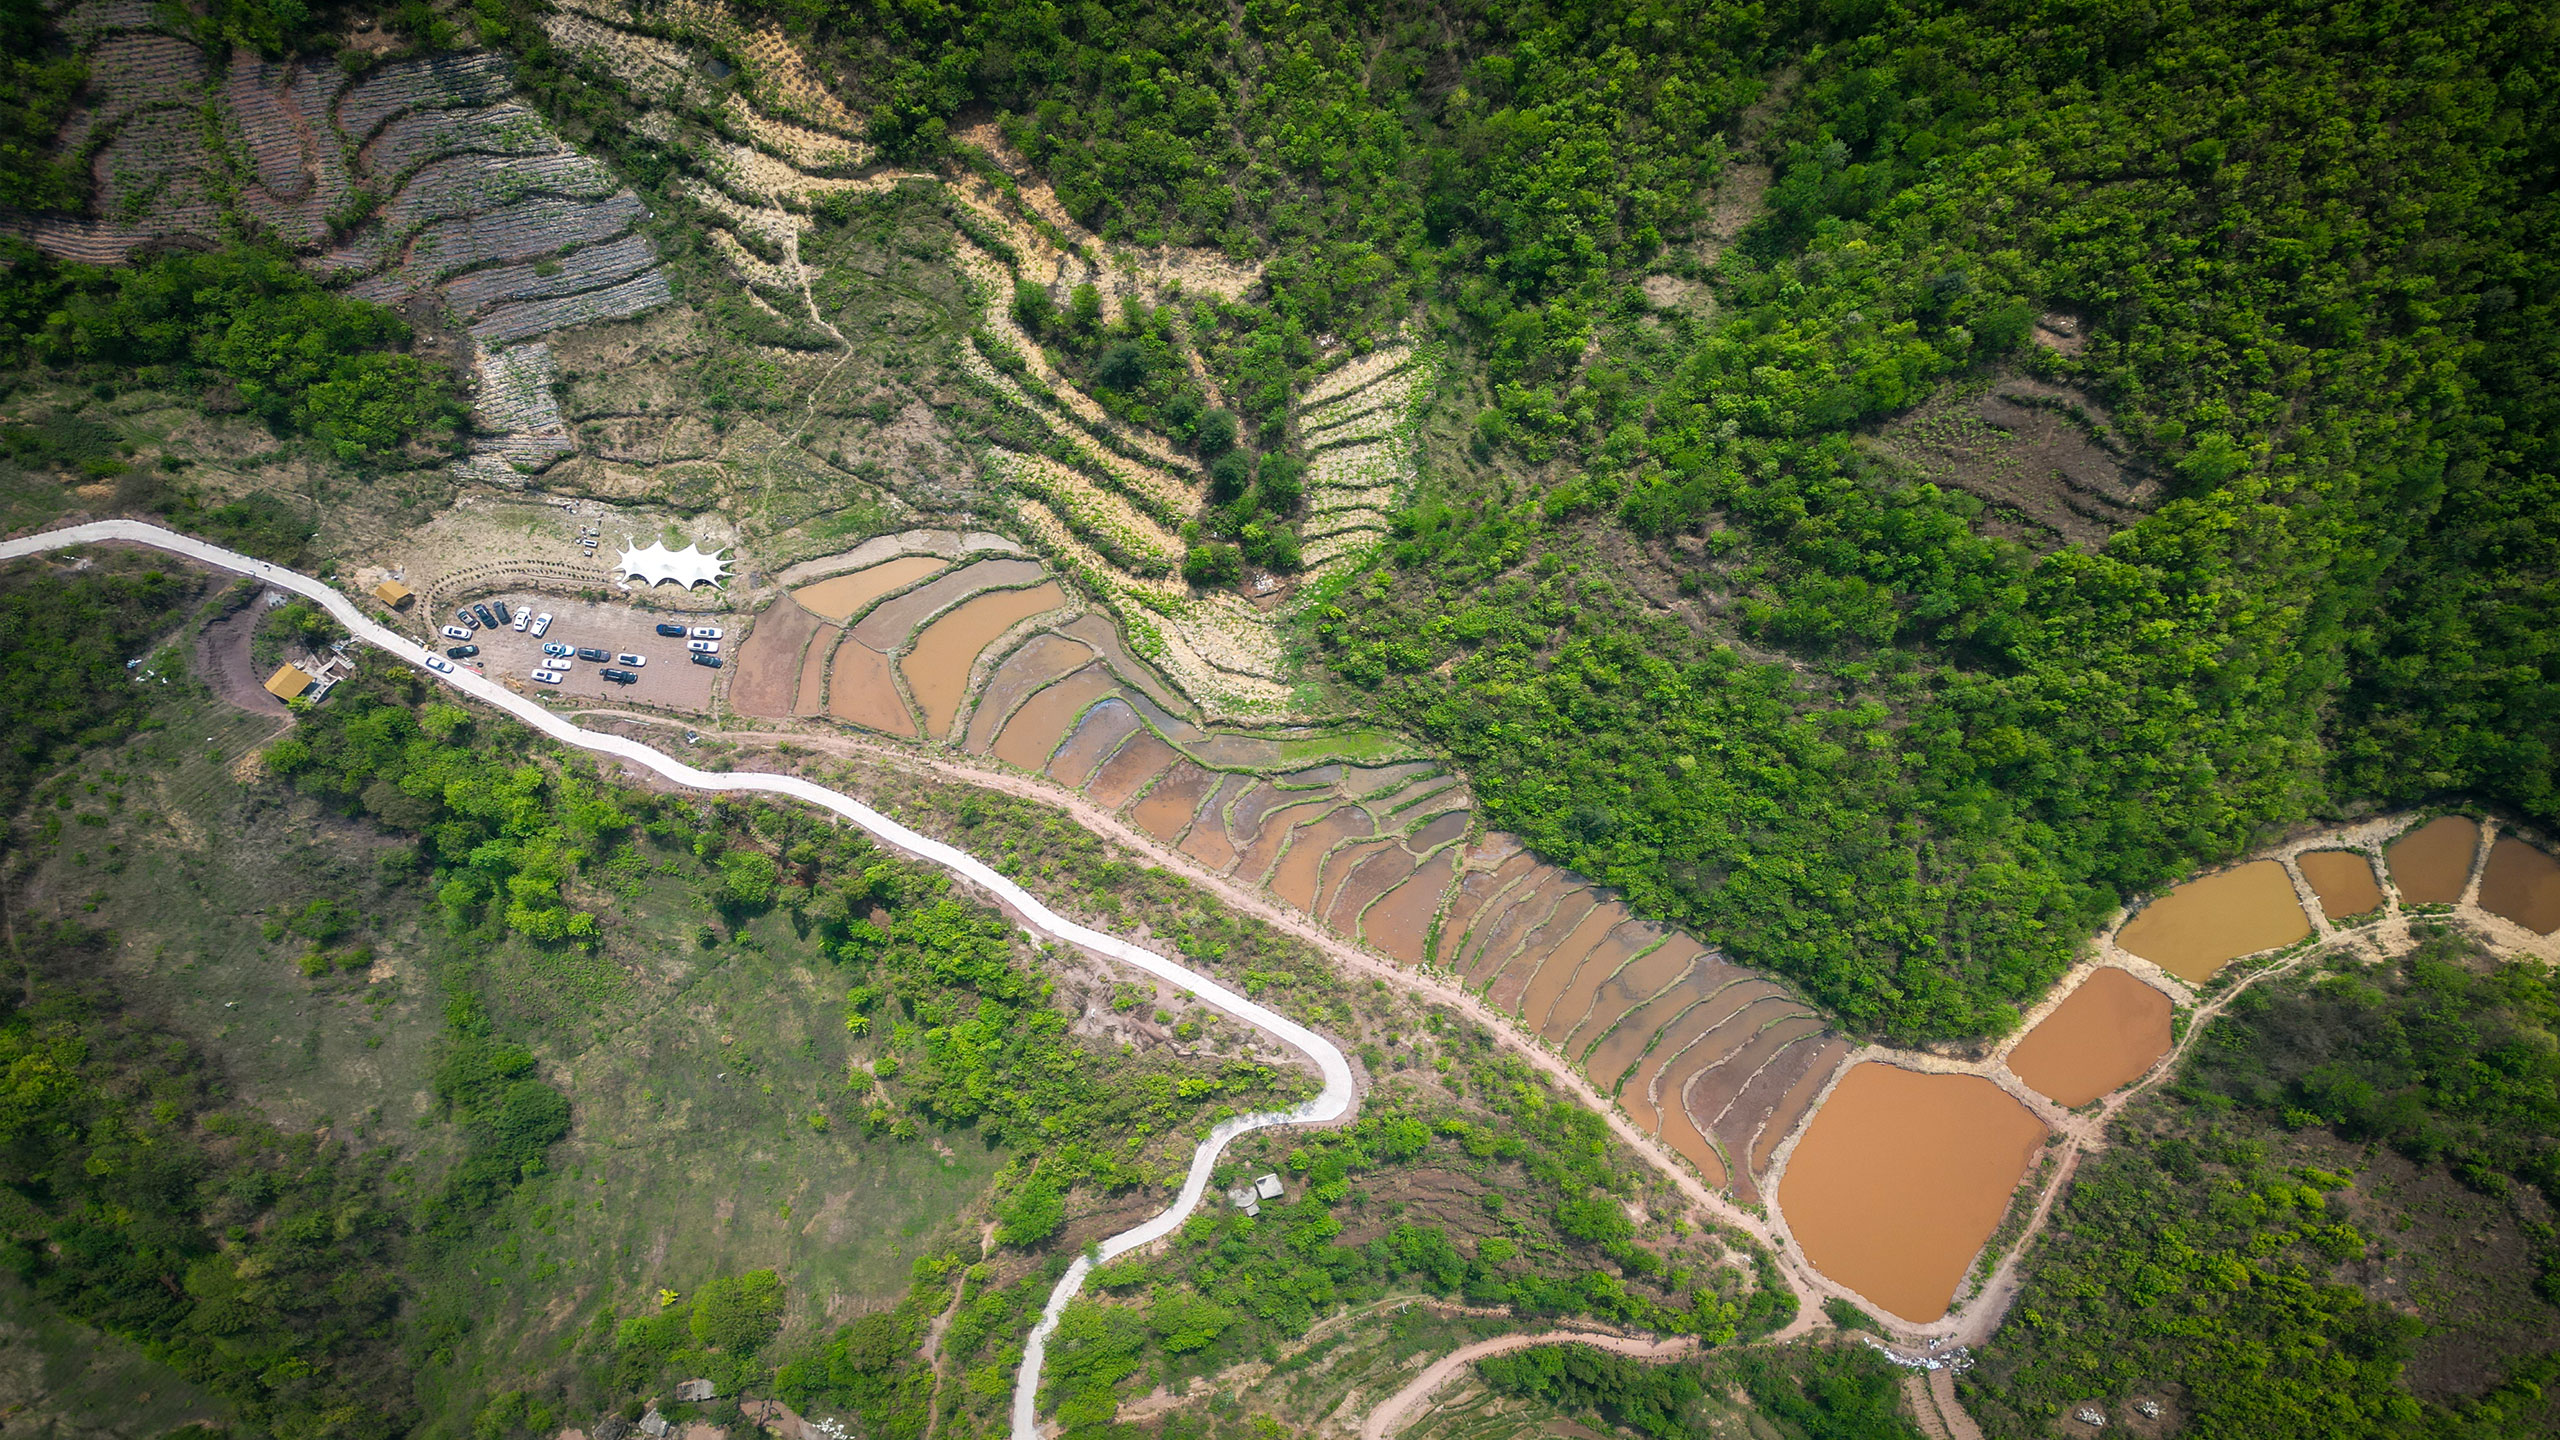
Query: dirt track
x=1401 y=1409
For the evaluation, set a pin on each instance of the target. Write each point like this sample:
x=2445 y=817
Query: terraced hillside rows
x=418 y=183
x=1105 y=500
x=961 y=640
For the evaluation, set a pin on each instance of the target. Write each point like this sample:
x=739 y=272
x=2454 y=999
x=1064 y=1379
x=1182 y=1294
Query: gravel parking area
x=670 y=679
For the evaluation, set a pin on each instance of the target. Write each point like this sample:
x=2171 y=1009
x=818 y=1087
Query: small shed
x=1266 y=1186
x=289 y=682
x=696 y=1390
x=393 y=593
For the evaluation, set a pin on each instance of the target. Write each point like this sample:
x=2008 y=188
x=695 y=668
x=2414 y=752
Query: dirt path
x=1249 y=901
x=1405 y=1406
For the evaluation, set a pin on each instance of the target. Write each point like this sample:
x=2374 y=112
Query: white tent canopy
x=657 y=564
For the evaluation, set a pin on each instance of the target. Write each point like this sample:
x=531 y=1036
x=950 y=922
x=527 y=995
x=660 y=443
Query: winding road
x=1335 y=1101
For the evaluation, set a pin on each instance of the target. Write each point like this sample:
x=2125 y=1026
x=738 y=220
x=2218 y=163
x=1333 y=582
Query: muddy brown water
x=2206 y=924
x=1791 y=1106
x=2343 y=879
x=937 y=669
x=890 y=621
x=1400 y=921
x=1335 y=876
x=2104 y=1034
x=1129 y=769
x=1543 y=949
x=1632 y=987
x=1564 y=970
x=1295 y=880
x=1369 y=883
x=1631 y=938
x=1901 y=1178
x=2523 y=884
x=1208 y=841
x=2432 y=863
x=811 y=691
x=860 y=692
x=1104 y=728
x=1042 y=659
x=841 y=597
x=768 y=660
x=1032 y=735
x=1171 y=804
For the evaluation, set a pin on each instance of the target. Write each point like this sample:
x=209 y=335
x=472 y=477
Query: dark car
x=464 y=616
x=487 y=620
x=620 y=677
x=709 y=662
x=500 y=606
x=463 y=652
x=589 y=652
x=675 y=630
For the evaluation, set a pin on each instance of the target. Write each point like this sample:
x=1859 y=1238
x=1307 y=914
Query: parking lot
x=670 y=679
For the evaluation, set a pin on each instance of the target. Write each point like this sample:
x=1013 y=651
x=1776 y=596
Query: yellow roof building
x=392 y=593
x=288 y=682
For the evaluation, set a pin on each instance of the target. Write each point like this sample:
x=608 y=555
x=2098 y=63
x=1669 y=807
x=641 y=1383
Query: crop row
x=637 y=295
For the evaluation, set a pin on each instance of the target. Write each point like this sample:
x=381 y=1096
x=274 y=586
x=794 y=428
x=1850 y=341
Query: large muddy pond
x=2432 y=863
x=2206 y=924
x=841 y=597
x=2102 y=1035
x=2343 y=879
x=2523 y=884
x=1901 y=1178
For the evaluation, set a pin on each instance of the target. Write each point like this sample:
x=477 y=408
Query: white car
x=706 y=632
x=523 y=619
x=703 y=647
x=547 y=677
x=455 y=632
x=634 y=661
x=541 y=624
x=440 y=664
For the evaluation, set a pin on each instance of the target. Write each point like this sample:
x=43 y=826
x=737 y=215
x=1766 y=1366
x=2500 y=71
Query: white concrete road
x=1333 y=1102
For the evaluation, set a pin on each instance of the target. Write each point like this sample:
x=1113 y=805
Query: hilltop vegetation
x=2344 y=1147
x=1882 y=747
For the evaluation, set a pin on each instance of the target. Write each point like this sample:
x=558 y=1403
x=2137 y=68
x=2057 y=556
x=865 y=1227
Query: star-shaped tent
x=657 y=564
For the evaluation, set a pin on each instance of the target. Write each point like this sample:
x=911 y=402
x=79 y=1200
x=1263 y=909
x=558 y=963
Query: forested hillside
x=2282 y=261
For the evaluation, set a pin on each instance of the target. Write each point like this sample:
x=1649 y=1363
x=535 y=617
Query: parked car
x=620 y=677
x=556 y=648
x=589 y=652
x=709 y=661
x=547 y=677
x=677 y=631
x=463 y=652
x=524 y=620
x=464 y=616
x=703 y=647
x=487 y=620
x=454 y=632
x=501 y=607
x=541 y=624
x=634 y=661
x=706 y=632
x=440 y=665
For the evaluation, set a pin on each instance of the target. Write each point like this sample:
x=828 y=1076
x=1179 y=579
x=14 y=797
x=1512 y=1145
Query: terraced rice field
x=2206 y=924
x=2108 y=1032
x=468 y=197
x=2431 y=865
x=2343 y=879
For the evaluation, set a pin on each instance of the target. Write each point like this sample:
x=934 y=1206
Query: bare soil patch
x=2044 y=458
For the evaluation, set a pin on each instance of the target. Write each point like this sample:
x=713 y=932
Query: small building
x=289 y=682
x=393 y=593
x=1242 y=1198
x=654 y=1425
x=1266 y=1186
x=693 y=1391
